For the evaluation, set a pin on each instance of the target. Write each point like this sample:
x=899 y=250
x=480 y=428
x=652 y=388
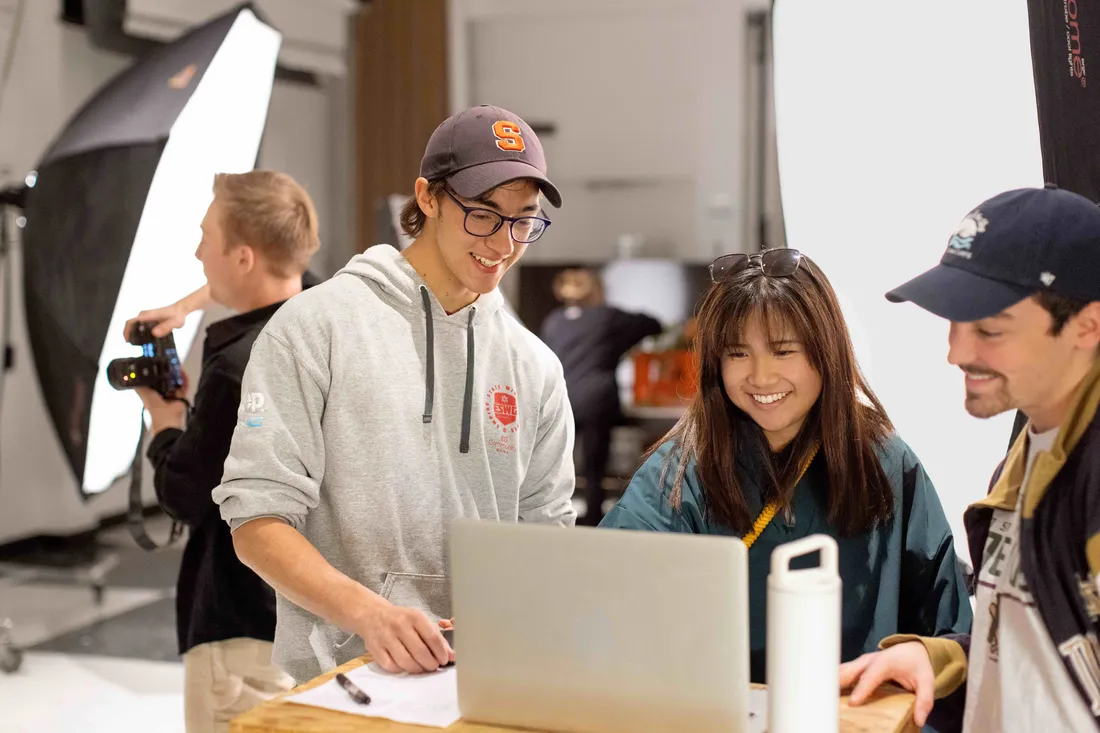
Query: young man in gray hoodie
x=394 y=398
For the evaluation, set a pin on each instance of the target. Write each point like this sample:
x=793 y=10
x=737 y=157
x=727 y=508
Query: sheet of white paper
x=758 y=711
x=427 y=699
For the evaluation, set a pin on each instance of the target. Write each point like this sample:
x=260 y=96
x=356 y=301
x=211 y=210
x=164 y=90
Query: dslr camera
x=158 y=366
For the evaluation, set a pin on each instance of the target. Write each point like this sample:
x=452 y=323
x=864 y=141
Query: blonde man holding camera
x=258 y=237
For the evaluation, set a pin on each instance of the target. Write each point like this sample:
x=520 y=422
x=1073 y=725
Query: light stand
x=91 y=571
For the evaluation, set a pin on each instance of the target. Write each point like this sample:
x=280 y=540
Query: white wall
x=877 y=173
x=648 y=100
x=55 y=70
x=313 y=30
x=306 y=138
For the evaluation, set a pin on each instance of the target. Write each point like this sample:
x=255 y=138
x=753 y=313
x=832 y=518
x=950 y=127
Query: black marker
x=352 y=689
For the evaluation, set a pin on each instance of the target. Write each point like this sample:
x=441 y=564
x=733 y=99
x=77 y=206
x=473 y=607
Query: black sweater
x=217 y=596
x=590 y=342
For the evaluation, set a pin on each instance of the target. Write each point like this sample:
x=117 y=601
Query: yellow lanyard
x=767 y=514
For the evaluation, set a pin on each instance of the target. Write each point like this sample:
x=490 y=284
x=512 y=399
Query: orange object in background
x=664 y=378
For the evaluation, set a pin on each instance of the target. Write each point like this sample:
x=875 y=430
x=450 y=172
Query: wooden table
x=890 y=711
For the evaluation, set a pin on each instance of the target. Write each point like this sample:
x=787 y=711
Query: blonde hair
x=273 y=214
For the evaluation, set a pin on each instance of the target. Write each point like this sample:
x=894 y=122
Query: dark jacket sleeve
x=934 y=597
x=629 y=328
x=935 y=603
x=188 y=463
x=646 y=505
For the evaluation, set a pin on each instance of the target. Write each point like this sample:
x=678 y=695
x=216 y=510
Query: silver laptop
x=600 y=631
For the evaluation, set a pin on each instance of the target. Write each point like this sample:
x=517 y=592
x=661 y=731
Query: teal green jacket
x=901 y=578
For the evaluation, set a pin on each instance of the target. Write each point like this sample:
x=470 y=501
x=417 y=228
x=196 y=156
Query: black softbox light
x=112 y=221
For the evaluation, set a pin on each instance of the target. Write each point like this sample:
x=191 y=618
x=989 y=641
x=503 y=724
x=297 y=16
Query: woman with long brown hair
x=785 y=439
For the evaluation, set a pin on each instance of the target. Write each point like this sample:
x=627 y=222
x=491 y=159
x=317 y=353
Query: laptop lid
x=600 y=631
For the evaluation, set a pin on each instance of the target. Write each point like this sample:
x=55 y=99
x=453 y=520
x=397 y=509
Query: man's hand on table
x=906 y=664
x=403 y=639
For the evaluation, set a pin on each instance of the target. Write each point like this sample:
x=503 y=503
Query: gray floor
x=145 y=630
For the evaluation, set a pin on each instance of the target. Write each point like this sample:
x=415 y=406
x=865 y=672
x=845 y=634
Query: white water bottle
x=803 y=641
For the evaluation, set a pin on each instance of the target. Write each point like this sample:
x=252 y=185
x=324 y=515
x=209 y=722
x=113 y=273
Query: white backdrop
x=893 y=121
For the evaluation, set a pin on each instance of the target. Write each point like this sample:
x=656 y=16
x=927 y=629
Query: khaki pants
x=223 y=679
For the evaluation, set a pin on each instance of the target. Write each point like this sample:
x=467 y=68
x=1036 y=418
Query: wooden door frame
x=401 y=95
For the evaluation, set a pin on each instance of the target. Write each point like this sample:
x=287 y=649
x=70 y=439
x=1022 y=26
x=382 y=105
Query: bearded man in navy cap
x=1020 y=285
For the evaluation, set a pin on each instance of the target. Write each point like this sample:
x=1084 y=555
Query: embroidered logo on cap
x=509 y=136
x=963 y=238
x=1047 y=278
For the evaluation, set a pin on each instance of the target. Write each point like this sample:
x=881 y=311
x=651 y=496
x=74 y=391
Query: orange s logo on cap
x=508 y=136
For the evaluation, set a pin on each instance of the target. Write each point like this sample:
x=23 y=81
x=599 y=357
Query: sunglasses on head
x=781 y=262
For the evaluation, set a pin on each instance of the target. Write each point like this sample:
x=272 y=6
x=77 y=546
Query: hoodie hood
x=402 y=285
x=383 y=265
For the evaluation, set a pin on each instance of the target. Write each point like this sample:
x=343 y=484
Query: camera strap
x=135 y=515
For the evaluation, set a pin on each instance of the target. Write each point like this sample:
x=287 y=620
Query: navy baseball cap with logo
x=1011 y=247
x=483 y=147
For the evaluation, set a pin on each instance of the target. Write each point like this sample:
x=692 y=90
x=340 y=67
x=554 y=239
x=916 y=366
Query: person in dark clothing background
x=590 y=338
x=257 y=239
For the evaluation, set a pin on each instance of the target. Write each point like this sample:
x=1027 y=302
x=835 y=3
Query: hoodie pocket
x=347 y=648
x=332 y=646
x=429 y=593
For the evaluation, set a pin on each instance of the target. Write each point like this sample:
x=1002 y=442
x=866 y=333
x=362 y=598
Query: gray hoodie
x=370 y=419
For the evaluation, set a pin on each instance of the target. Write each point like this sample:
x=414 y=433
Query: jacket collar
x=1006 y=491
x=224 y=332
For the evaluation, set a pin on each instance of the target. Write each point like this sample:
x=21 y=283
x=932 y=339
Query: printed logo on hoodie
x=255 y=402
x=502 y=409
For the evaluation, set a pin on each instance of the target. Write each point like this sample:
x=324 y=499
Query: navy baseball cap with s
x=483 y=147
x=1009 y=248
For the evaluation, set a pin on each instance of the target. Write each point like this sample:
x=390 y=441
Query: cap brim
x=958 y=295
x=474 y=181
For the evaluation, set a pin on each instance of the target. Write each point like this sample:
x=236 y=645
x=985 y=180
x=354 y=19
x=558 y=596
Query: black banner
x=1065 y=43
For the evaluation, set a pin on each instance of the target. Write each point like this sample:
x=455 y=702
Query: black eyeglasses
x=486 y=222
x=780 y=262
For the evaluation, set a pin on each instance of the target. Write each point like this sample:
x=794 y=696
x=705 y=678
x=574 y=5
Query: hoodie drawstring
x=467 y=401
x=429 y=386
